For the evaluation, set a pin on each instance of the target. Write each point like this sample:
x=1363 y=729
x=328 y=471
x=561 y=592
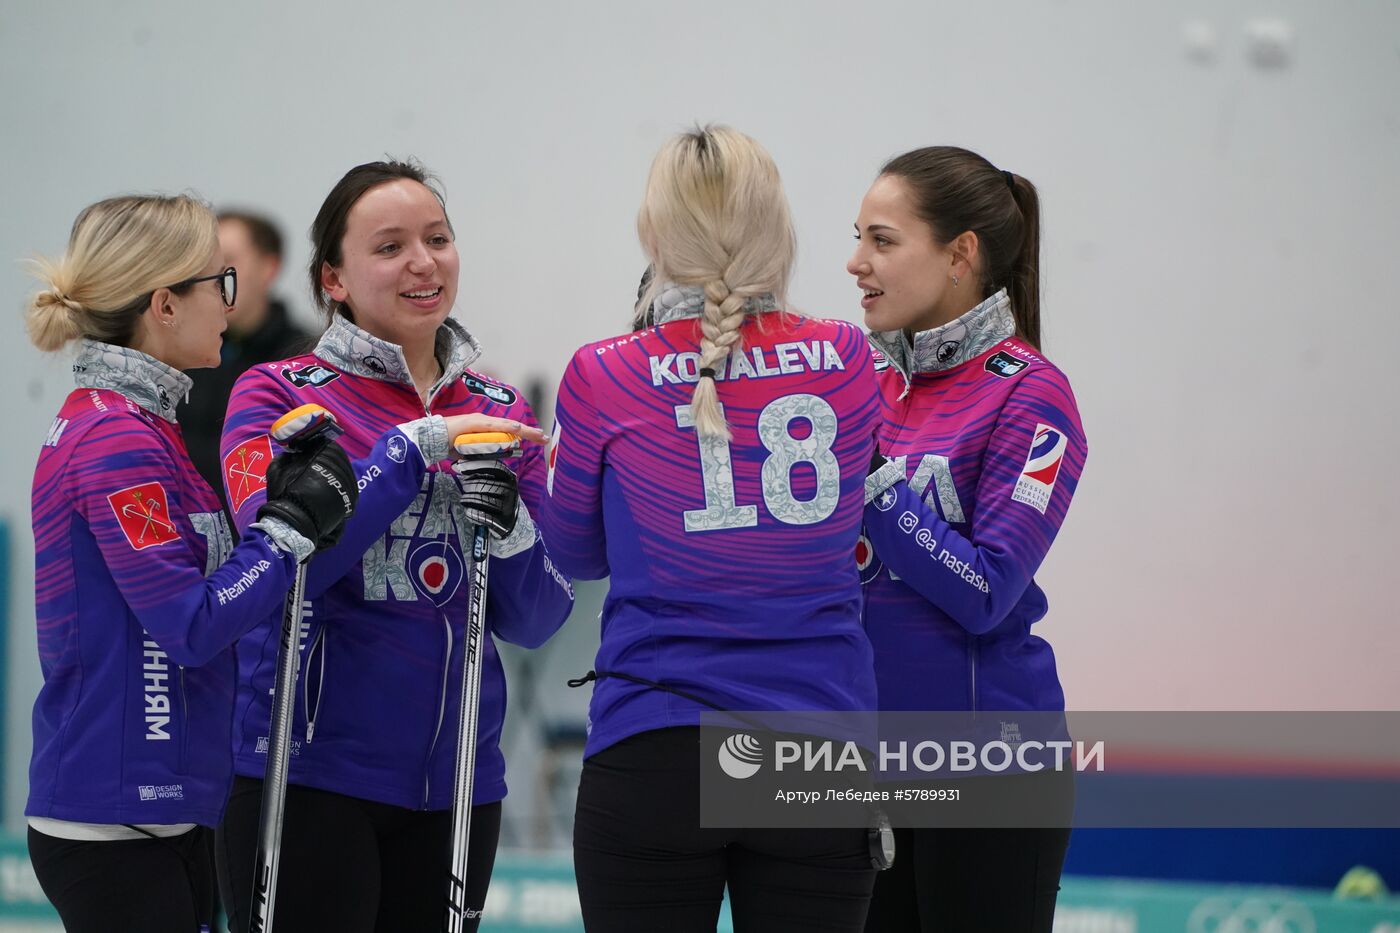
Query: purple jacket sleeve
x=389 y=477
x=528 y=599
x=121 y=472
x=977 y=574
x=572 y=515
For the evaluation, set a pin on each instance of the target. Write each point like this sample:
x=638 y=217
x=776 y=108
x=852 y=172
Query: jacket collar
x=140 y=377
x=358 y=352
x=970 y=335
x=674 y=302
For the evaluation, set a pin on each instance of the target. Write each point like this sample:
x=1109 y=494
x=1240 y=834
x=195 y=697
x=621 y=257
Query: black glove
x=313 y=491
x=490 y=494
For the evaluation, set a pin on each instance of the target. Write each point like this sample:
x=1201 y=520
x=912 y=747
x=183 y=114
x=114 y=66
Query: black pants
x=962 y=880
x=644 y=863
x=128 y=886
x=351 y=865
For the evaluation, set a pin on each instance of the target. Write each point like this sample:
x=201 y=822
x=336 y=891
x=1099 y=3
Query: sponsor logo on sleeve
x=313 y=375
x=1037 y=481
x=144 y=515
x=398 y=448
x=496 y=393
x=1003 y=364
x=245 y=469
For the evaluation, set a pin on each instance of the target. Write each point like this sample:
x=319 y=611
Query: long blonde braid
x=715 y=215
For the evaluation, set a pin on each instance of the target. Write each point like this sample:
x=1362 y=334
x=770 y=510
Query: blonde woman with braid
x=712 y=464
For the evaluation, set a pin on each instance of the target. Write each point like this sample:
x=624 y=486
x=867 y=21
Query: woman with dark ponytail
x=987 y=448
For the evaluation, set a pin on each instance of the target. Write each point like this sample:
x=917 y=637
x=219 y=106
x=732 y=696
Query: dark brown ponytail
x=955 y=190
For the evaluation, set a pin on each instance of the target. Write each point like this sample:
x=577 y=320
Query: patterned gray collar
x=674 y=302
x=357 y=351
x=142 y=378
x=948 y=345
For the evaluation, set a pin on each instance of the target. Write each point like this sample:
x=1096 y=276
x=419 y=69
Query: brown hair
x=955 y=190
x=262 y=232
x=328 y=229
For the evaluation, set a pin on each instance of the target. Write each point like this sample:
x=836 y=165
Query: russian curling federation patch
x=1037 y=480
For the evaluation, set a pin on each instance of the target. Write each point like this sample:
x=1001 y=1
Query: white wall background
x=1219 y=246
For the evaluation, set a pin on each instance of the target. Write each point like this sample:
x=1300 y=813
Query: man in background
x=259 y=330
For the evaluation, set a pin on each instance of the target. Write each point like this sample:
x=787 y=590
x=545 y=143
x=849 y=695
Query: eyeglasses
x=228 y=284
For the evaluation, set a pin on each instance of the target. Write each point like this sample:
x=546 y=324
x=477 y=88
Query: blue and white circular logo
x=885 y=500
x=398 y=448
x=740 y=756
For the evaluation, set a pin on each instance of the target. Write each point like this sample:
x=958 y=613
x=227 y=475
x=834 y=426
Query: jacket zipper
x=310 y=712
x=446 y=625
x=973 y=656
x=184 y=722
x=442 y=710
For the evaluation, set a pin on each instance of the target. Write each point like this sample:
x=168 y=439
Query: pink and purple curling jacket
x=730 y=561
x=139 y=596
x=986 y=449
x=382 y=629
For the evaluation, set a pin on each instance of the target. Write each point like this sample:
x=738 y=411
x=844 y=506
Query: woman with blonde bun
x=713 y=464
x=139 y=590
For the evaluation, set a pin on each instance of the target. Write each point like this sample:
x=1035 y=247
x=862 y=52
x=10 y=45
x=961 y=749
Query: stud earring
x=955 y=281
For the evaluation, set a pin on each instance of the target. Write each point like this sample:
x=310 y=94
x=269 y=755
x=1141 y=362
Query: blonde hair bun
x=119 y=251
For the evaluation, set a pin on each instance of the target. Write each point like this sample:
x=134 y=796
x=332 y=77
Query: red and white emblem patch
x=144 y=514
x=1037 y=480
x=552 y=458
x=245 y=469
